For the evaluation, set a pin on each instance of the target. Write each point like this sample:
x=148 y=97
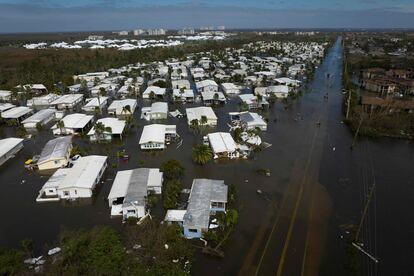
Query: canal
x=335 y=183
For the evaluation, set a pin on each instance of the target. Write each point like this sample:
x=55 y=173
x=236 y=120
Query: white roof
x=187 y=93
x=40 y=116
x=5 y=106
x=67 y=99
x=159 y=107
x=94 y=102
x=222 y=142
x=120 y=185
x=154 y=133
x=209 y=95
x=175 y=215
x=198 y=112
x=5 y=93
x=248 y=98
x=204 y=83
x=55 y=149
x=84 y=172
x=229 y=86
x=278 y=89
x=16 y=112
x=118 y=105
x=7 y=144
x=56 y=178
x=157 y=90
x=115 y=124
x=76 y=120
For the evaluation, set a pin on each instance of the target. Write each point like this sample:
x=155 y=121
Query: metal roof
x=155 y=133
x=16 y=112
x=203 y=192
x=84 y=173
x=55 y=149
x=8 y=144
x=222 y=142
x=137 y=189
x=40 y=116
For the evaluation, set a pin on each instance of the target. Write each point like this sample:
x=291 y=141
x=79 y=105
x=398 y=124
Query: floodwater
x=343 y=175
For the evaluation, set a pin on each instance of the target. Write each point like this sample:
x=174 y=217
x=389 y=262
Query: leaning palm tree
x=202 y=154
x=61 y=125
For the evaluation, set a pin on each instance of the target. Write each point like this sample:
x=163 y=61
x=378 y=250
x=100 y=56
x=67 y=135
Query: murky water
x=340 y=173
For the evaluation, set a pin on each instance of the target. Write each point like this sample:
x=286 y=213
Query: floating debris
x=54 y=251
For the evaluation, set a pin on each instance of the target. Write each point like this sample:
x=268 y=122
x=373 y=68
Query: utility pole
x=364 y=213
x=356 y=132
x=348 y=103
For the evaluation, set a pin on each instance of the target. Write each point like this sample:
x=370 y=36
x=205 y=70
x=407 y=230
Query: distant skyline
x=97 y=15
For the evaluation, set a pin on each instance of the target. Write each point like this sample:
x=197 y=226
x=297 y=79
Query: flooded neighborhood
x=247 y=150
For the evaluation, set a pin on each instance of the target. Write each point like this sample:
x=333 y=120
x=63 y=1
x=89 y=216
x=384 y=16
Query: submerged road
x=291 y=239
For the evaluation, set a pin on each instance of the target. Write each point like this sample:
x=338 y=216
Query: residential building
x=207 y=197
x=73 y=124
x=203 y=114
x=115 y=125
x=183 y=95
x=153 y=91
x=230 y=88
x=5 y=95
x=76 y=182
x=253 y=102
x=223 y=145
x=207 y=86
x=42 y=101
x=55 y=154
x=249 y=120
x=9 y=147
x=68 y=101
x=94 y=104
x=157 y=111
x=122 y=108
x=129 y=192
x=210 y=97
x=40 y=118
x=157 y=136
x=18 y=113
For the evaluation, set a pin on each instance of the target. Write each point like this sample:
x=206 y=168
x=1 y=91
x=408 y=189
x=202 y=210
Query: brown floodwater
x=343 y=176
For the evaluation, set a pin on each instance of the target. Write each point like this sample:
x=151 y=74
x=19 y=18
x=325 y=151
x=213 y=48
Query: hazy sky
x=84 y=15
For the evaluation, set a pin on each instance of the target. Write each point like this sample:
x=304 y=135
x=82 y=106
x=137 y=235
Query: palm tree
x=61 y=125
x=202 y=154
x=203 y=120
x=126 y=110
x=152 y=95
x=100 y=130
x=194 y=124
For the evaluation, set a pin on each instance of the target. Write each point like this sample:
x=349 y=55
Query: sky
x=96 y=15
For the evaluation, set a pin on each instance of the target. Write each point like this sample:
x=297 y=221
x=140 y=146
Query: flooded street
x=317 y=185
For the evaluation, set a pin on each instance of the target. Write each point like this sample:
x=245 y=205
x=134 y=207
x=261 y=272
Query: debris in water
x=333 y=149
x=166 y=246
x=54 y=251
x=259 y=192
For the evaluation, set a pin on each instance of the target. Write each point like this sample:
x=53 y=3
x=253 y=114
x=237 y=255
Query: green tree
x=203 y=120
x=202 y=154
x=194 y=124
x=171 y=193
x=100 y=130
x=172 y=169
x=61 y=125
